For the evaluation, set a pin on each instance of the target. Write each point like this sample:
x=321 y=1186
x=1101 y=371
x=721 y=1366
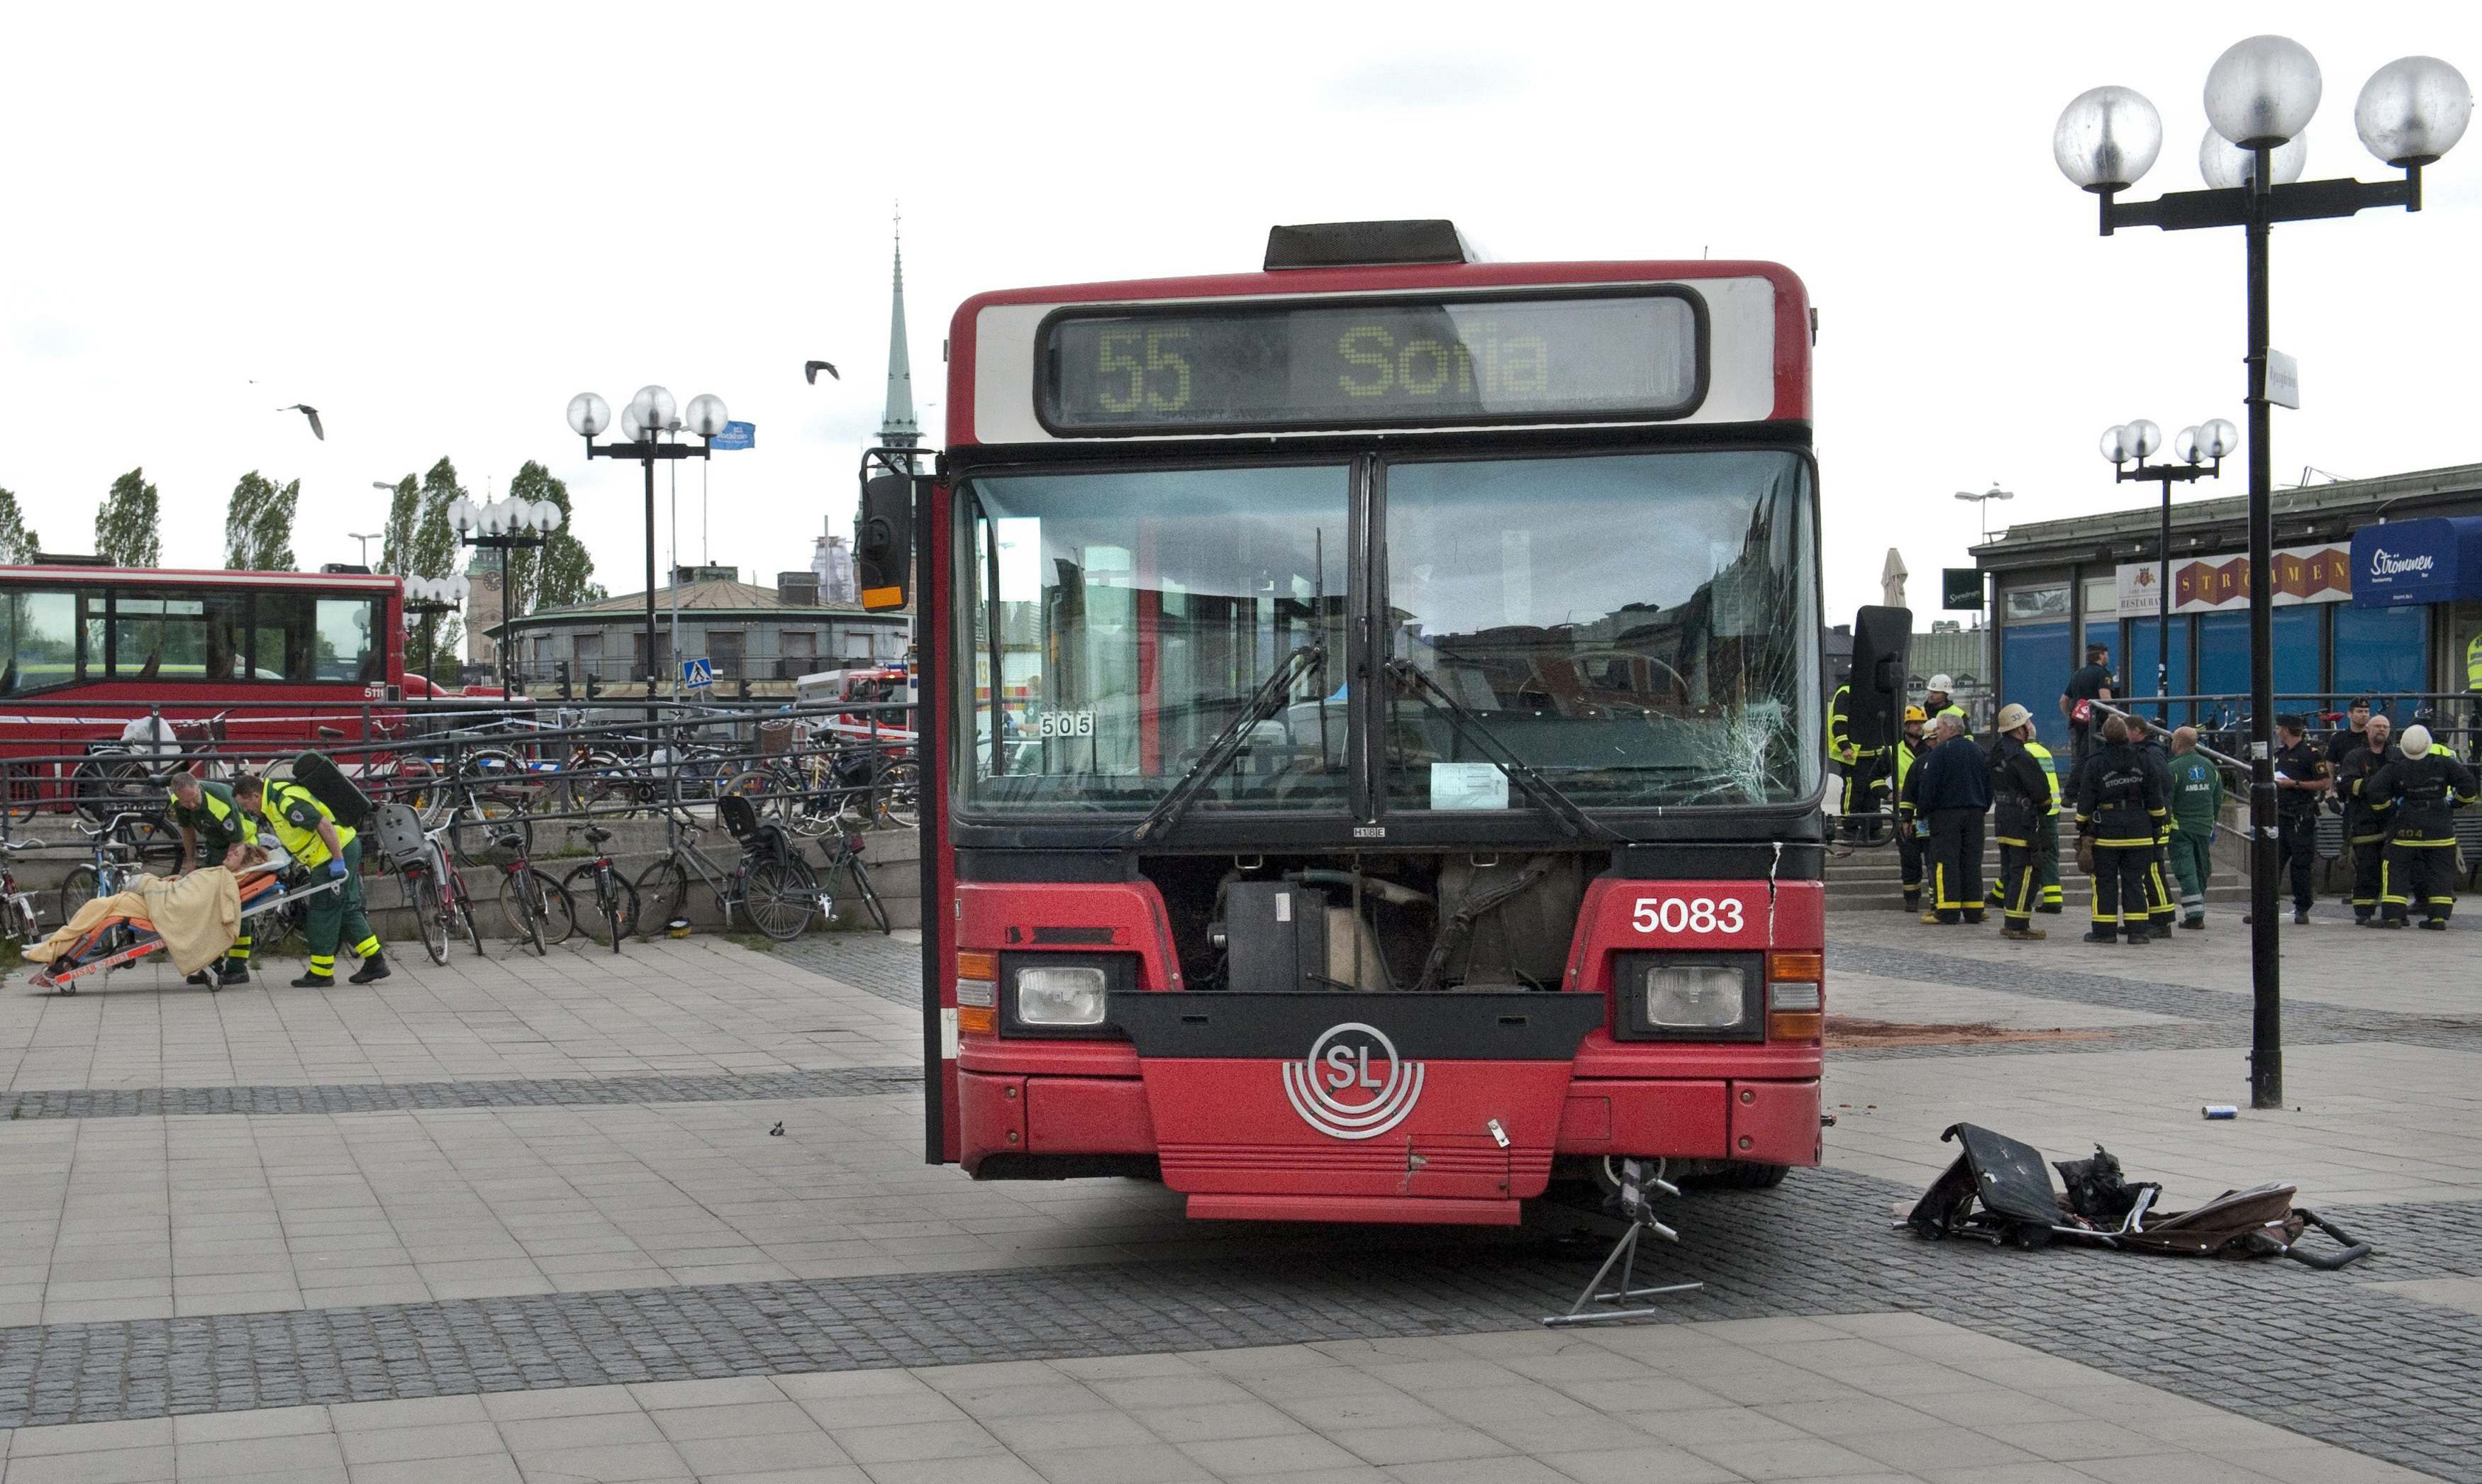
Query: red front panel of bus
x=1255 y=1137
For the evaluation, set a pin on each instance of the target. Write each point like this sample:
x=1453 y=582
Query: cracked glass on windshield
x=1642 y=630
x=1121 y=621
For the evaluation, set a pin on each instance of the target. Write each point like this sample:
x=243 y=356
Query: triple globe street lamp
x=2196 y=453
x=505 y=526
x=648 y=425
x=2259 y=96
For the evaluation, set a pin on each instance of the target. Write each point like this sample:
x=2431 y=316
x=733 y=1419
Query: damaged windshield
x=1642 y=630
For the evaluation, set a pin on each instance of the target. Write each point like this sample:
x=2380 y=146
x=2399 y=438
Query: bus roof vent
x=70 y=559
x=1361 y=244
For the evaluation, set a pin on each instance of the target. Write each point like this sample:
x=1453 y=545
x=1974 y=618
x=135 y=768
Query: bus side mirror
x=884 y=541
x=1882 y=638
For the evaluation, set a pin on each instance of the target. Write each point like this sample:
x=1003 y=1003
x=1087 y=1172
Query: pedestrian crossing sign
x=697 y=673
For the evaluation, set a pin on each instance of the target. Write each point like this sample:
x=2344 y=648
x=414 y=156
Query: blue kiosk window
x=2382 y=651
x=2034 y=667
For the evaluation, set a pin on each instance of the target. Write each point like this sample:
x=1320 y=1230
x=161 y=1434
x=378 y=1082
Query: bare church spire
x=897 y=428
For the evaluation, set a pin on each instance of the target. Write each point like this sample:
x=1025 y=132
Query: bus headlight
x=1693 y=996
x=1069 y=995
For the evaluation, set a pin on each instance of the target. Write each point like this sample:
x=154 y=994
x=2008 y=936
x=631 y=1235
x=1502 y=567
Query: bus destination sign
x=1636 y=355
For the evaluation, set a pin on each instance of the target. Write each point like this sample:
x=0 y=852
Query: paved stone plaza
x=525 y=1219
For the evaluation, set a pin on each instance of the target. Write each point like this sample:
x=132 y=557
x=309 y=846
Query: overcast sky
x=436 y=230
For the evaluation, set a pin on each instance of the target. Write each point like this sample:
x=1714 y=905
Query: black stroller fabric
x=2001 y=1191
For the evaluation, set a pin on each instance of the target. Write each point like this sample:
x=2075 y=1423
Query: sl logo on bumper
x=1336 y=1092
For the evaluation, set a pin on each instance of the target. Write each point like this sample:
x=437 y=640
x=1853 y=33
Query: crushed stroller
x=120 y=939
x=2000 y=1191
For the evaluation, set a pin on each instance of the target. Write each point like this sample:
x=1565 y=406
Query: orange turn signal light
x=984 y=1020
x=974 y=964
x=1786 y=963
x=978 y=998
x=1794 y=1025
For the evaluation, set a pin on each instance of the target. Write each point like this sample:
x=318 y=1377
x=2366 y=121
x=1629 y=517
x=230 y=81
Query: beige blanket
x=197 y=915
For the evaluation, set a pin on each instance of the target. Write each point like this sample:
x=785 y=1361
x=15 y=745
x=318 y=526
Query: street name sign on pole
x=2282 y=380
x=736 y=436
x=697 y=673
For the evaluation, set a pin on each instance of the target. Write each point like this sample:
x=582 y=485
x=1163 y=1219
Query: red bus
x=1417 y=790
x=261 y=660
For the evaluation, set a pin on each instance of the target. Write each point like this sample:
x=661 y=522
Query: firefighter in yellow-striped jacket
x=2417 y=797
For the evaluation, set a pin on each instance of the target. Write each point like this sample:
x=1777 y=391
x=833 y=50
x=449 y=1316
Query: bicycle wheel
x=480 y=821
x=463 y=906
x=772 y=795
x=22 y=789
x=779 y=896
x=608 y=903
x=663 y=889
x=76 y=890
x=430 y=919
x=158 y=844
x=869 y=894
x=556 y=909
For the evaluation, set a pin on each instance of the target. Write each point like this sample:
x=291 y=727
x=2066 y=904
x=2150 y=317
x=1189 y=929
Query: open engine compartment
x=1400 y=920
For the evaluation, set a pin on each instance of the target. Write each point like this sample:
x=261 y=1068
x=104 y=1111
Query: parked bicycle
x=538 y=910
x=610 y=899
x=442 y=907
x=116 y=854
x=768 y=883
x=19 y=921
x=842 y=855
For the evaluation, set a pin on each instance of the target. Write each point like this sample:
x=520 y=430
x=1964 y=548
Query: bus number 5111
x=1686 y=914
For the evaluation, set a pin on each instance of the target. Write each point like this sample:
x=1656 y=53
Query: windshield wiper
x=1307 y=660
x=1575 y=822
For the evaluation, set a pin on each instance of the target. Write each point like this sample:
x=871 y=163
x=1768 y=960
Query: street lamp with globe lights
x=2196 y=453
x=648 y=424
x=505 y=526
x=427 y=597
x=1984 y=499
x=2259 y=95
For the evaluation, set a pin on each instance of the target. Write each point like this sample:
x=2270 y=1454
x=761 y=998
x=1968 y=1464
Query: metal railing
x=814 y=768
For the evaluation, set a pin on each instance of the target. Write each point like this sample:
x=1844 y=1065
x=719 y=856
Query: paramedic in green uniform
x=2197 y=803
x=211 y=824
x=309 y=833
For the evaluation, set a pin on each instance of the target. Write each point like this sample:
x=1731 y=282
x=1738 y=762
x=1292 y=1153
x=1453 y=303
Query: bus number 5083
x=1686 y=914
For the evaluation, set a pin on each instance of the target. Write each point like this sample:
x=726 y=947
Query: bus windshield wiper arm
x=1547 y=796
x=1307 y=660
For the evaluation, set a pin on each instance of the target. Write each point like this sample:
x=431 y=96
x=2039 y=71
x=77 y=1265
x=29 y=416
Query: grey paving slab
x=2332 y=1357
x=402 y=1097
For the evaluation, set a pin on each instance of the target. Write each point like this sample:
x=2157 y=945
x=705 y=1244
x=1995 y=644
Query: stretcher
x=115 y=942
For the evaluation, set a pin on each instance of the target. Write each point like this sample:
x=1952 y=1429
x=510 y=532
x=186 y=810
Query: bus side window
x=279 y=636
x=94 y=634
x=347 y=650
x=43 y=642
x=228 y=634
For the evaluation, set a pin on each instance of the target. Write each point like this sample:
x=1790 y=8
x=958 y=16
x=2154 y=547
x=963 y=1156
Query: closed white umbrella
x=1891 y=580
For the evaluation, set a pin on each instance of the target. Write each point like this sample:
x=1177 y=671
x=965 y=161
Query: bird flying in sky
x=311 y=412
x=810 y=370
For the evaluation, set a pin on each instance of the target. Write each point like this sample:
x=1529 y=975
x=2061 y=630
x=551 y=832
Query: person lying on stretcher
x=196 y=915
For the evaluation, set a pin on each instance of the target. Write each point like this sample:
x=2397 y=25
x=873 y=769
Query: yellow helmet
x=1915 y=714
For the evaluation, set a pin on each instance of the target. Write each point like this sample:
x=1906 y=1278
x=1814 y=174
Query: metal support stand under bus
x=1636 y=1183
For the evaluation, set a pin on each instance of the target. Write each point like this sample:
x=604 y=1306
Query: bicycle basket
x=775 y=737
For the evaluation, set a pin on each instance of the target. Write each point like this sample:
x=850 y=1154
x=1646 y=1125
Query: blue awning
x=2431 y=560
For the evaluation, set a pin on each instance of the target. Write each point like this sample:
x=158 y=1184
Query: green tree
x=396 y=549
x=126 y=529
x=17 y=544
x=561 y=573
x=258 y=524
x=431 y=551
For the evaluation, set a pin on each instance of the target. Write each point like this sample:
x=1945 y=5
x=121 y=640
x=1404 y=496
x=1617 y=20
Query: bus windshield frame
x=1334 y=562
